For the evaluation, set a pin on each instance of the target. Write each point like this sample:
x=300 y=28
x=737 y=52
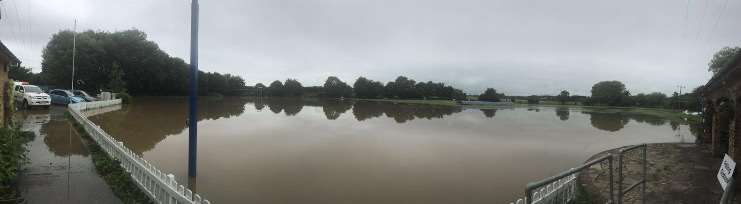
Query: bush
x=12 y=158
x=125 y=97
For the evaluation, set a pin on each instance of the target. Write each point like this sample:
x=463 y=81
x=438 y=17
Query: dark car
x=64 y=97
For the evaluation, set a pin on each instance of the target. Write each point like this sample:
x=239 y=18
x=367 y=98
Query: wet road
x=60 y=168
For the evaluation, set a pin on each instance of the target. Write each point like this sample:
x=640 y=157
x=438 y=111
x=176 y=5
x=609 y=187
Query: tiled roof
x=4 y=50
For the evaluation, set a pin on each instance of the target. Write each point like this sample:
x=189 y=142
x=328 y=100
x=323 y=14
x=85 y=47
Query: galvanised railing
x=562 y=187
x=621 y=176
x=159 y=186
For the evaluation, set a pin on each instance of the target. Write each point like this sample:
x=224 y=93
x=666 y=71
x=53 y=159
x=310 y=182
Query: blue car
x=64 y=97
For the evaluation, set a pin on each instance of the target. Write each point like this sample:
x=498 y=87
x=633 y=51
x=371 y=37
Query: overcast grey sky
x=519 y=47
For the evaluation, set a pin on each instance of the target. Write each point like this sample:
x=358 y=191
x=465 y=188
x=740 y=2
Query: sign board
x=725 y=174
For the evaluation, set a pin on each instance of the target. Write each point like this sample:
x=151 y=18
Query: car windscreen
x=32 y=89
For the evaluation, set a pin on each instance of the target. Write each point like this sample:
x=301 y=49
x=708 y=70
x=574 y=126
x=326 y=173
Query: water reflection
x=312 y=151
x=54 y=130
x=563 y=113
x=62 y=144
x=489 y=113
x=616 y=120
x=401 y=113
x=155 y=118
x=334 y=108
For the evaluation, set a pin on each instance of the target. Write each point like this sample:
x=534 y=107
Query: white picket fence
x=560 y=191
x=159 y=186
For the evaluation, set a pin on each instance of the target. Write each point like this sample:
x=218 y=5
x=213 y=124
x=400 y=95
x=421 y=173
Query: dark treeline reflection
x=489 y=113
x=155 y=118
x=563 y=113
x=362 y=110
x=401 y=113
x=614 y=121
x=334 y=108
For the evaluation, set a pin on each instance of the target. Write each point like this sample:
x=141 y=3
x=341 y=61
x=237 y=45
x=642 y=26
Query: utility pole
x=193 y=98
x=74 y=50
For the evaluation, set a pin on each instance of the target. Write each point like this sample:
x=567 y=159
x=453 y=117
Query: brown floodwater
x=329 y=151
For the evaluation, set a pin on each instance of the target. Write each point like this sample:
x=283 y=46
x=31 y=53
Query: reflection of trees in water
x=259 y=104
x=364 y=110
x=401 y=113
x=61 y=139
x=151 y=119
x=334 y=108
x=489 y=113
x=648 y=119
x=614 y=121
x=607 y=121
x=291 y=106
x=222 y=108
x=562 y=113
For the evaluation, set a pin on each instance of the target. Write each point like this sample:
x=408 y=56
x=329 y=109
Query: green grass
x=110 y=169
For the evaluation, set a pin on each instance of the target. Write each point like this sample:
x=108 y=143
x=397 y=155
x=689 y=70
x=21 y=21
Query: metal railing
x=562 y=188
x=621 y=177
x=159 y=186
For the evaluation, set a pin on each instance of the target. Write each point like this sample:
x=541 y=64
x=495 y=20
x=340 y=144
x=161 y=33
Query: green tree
x=116 y=83
x=293 y=88
x=145 y=68
x=611 y=93
x=563 y=97
x=490 y=95
x=20 y=73
x=336 y=88
x=276 y=89
x=365 y=88
x=722 y=58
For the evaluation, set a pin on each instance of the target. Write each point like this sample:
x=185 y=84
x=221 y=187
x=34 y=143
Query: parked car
x=64 y=97
x=82 y=94
x=29 y=95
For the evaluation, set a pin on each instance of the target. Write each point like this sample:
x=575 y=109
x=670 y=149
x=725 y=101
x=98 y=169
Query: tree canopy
x=335 y=88
x=491 y=95
x=721 y=58
x=611 y=93
x=124 y=60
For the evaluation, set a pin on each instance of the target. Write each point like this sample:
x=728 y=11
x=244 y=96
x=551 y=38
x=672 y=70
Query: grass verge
x=110 y=169
x=12 y=158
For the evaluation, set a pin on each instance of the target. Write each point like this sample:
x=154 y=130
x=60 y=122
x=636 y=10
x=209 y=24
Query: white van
x=30 y=95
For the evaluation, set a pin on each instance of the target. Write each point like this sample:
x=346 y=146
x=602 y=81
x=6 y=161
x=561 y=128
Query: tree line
x=614 y=93
x=123 y=61
x=334 y=87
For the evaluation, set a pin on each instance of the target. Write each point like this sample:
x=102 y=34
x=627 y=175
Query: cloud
x=517 y=47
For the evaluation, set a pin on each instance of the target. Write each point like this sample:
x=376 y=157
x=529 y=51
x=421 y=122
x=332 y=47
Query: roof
x=4 y=50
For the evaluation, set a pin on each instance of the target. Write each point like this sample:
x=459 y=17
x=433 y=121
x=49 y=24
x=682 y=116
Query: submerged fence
x=159 y=186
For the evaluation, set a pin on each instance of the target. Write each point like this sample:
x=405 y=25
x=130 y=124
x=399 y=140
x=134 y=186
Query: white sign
x=725 y=173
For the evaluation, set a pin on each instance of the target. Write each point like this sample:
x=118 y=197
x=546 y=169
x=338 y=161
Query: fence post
x=645 y=172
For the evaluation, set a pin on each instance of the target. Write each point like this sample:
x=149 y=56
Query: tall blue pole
x=193 y=98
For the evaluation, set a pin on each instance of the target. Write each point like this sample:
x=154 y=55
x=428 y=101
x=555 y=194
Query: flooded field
x=330 y=151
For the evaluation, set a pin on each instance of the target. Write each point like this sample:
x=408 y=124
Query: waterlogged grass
x=110 y=169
